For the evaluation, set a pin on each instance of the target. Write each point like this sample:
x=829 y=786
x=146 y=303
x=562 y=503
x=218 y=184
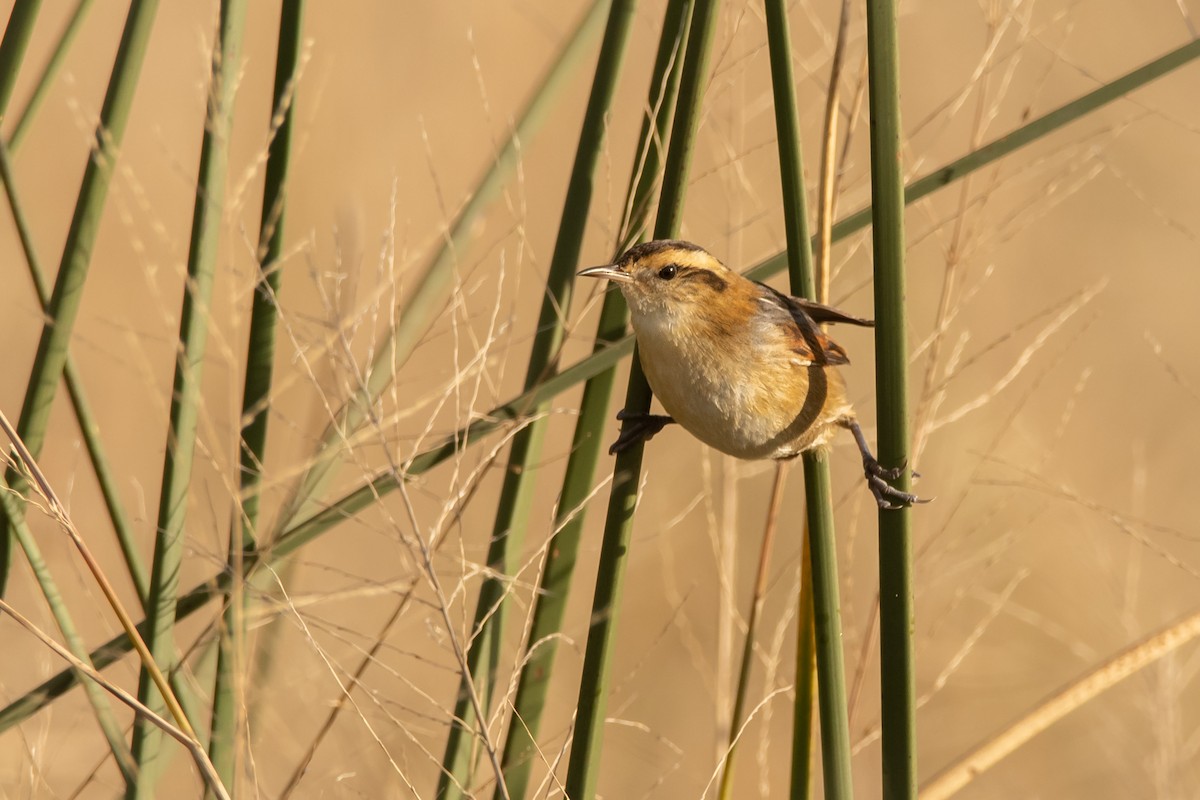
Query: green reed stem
x=260 y=362
x=897 y=680
x=45 y=79
x=822 y=544
x=583 y=769
x=51 y=356
x=303 y=531
x=13 y=46
x=186 y=396
x=516 y=494
x=587 y=443
x=101 y=706
x=806 y=673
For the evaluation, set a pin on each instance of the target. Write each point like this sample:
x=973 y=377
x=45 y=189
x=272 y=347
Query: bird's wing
x=823 y=313
x=810 y=342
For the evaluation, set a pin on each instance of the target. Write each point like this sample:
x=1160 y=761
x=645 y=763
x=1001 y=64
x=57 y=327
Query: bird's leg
x=637 y=428
x=886 y=495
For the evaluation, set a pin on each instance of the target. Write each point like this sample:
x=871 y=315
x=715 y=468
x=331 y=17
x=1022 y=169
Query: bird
x=744 y=368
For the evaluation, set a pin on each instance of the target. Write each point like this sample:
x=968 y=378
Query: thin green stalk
x=583 y=769
x=260 y=361
x=827 y=630
x=429 y=296
x=300 y=533
x=186 y=396
x=260 y=350
x=13 y=46
x=87 y=422
x=90 y=431
x=516 y=494
x=897 y=682
x=72 y=272
x=806 y=672
x=112 y=729
x=831 y=679
x=791 y=161
x=587 y=443
x=46 y=78
x=806 y=659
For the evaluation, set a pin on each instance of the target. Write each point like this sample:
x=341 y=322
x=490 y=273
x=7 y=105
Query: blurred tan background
x=1058 y=427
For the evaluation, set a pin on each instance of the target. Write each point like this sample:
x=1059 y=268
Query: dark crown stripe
x=657 y=246
x=715 y=281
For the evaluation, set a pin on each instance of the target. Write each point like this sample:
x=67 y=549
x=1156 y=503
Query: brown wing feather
x=823 y=313
x=810 y=342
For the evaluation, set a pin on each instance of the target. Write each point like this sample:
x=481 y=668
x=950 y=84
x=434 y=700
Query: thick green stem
x=898 y=707
x=827 y=621
x=806 y=668
x=827 y=629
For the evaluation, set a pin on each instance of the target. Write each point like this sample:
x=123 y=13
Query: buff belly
x=743 y=416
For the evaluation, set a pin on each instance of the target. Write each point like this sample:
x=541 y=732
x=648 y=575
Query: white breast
x=686 y=375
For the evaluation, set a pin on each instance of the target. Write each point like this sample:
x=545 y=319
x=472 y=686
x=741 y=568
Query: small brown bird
x=742 y=367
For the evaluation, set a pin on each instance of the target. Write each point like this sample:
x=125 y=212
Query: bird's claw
x=886 y=495
x=637 y=428
x=873 y=467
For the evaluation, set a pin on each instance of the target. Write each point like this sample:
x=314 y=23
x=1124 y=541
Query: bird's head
x=667 y=277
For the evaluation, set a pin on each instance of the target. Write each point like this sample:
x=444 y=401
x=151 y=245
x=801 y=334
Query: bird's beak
x=610 y=271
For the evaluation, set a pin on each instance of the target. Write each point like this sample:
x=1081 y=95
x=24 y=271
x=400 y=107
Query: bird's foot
x=886 y=495
x=637 y=428
x=878 y=476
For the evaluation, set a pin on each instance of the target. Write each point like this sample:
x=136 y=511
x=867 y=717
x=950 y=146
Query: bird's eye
x=668 y=272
